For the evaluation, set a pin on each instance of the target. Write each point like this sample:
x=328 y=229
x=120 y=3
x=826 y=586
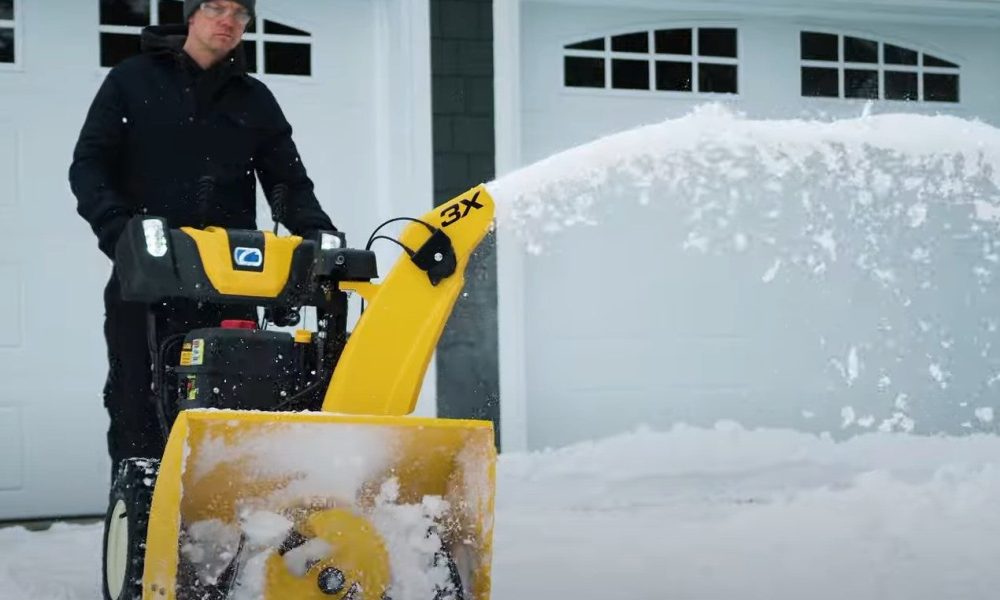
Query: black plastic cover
x=179 y=273
x=239 y=369
x=437 y=257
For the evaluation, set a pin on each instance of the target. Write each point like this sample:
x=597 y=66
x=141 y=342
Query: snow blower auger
x=293 y=468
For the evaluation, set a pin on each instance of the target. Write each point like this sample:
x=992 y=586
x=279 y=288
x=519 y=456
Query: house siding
x=464 y=155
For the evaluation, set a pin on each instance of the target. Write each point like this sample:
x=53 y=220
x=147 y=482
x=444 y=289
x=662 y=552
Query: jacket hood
x=168 y=40
x=163 y=38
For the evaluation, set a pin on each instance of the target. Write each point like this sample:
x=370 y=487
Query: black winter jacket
x=166 y=138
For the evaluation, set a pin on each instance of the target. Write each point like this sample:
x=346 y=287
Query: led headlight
x=328 y=241
x=156 y=237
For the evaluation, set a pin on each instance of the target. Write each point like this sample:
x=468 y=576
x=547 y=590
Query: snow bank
x=729 y=513
x=888 y=225
x=728 y=463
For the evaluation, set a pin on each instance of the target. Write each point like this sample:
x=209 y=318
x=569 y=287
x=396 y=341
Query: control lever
x=278 y=195
x=205 y=191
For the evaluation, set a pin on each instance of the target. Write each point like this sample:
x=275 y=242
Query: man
x=179 y=132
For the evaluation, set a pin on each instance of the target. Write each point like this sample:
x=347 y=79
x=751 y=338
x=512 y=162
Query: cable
x=371 y=239
x=374 y=237
x=299 y=395
x=323 y=378
x=409 y=252
x=323 y=375
x=393 y=240
x=164 y=415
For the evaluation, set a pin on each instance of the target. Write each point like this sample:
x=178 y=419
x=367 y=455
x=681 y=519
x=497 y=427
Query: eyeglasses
x=215 y=12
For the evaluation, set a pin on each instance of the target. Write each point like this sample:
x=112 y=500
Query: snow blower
x=294 y=468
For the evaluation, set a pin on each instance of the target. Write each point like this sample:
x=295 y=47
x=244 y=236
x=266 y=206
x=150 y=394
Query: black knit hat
x=192 y=5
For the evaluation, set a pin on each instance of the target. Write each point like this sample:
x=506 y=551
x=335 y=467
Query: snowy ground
x=695 y=514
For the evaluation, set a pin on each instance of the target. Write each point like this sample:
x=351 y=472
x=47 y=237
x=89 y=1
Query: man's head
x=215 y=27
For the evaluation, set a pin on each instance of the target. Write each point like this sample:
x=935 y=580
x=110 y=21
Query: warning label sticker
x=197 y=352
x=186 y=354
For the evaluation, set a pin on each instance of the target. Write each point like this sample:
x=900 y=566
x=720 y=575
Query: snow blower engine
x=239 y=364
x=293 y=467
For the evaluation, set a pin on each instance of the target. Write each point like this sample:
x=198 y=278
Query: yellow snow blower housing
x=293 y=469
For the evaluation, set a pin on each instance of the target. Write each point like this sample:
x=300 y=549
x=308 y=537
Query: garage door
x=625 y=323
x=52 y=362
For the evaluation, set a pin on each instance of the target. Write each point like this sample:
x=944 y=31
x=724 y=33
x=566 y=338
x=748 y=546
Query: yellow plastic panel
x=386 y=357
x=216 y=258
x=225 y=465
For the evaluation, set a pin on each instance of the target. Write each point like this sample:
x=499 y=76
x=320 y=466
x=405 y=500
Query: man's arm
x=98 y=149
x=287 y=186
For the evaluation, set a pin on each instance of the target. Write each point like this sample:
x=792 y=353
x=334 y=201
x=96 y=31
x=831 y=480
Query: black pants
x=135 y=428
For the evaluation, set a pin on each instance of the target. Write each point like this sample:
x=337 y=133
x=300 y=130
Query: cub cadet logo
x=459 y=211
x=248 y=257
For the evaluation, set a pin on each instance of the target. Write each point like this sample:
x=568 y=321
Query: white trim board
x=935 y=12
x=404 y=182
x=510 y=255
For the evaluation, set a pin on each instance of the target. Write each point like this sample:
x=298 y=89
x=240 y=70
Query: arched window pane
x=125 y=12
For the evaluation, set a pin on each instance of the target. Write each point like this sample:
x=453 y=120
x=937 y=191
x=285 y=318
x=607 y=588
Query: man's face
x=218 y=25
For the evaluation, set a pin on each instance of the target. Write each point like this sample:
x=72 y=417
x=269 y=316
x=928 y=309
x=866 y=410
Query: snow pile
x=262 y=532
x=320 y=464
x=898 y=216
x=210 y=546
x=727 y=464
x=264 y=529
x=725 y=513
x=686 y=160
x=412 y=538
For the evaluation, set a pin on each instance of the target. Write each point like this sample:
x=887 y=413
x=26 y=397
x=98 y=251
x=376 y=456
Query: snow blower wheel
x=125 y=528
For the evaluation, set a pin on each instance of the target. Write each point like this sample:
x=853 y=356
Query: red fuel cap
x=239 y=324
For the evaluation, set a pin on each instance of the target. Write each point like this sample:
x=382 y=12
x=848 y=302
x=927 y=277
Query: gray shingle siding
x=468 y=379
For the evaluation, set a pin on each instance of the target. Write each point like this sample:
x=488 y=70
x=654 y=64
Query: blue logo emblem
x=248 y=257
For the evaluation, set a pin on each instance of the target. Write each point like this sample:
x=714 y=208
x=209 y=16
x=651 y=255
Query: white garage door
x=624 y=326
x=319 y=59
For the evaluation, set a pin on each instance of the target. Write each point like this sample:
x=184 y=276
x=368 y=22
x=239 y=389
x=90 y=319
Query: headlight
x=156 y=237
x=328 y=241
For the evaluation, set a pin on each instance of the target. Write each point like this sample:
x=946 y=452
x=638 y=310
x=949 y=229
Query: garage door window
x=271 y=47
x=278 y=49
x=842 y=66
x=687 y=60
x=8 y=33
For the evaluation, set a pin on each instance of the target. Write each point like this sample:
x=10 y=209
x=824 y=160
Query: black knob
x=331 y=581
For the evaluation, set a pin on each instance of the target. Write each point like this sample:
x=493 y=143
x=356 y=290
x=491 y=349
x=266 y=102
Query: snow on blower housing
x=292 y=468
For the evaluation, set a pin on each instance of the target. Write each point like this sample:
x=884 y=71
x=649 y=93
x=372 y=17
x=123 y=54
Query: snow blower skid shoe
x=293 y=468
